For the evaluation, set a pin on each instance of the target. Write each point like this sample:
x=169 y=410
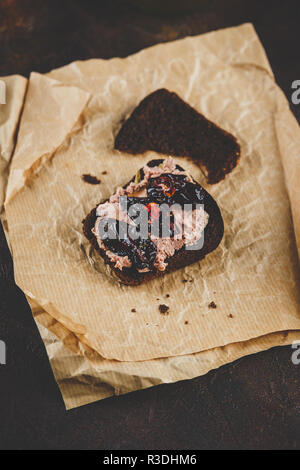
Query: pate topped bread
x=182 y=223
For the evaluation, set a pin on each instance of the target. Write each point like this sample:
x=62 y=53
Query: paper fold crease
x=51 y=108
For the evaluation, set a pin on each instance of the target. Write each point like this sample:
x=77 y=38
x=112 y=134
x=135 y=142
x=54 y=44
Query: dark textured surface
x=253 y=403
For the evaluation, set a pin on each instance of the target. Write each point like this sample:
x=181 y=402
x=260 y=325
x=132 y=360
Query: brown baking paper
x=84 y=376
x=15 y=87
x=252 y=276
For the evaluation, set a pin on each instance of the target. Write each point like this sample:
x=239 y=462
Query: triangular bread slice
x=166 y=124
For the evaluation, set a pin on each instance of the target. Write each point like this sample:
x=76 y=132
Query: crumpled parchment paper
x=67 y=129
x=15 y=87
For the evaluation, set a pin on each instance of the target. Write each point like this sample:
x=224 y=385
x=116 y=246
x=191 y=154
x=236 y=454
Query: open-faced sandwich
x=159 y=221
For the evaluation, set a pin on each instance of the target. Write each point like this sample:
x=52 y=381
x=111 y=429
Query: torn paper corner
x=55 y=108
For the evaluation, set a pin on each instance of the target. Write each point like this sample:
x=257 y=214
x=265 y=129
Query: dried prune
x=190 y=194
x=120 y=238
x=162 y=188
x=171 y=189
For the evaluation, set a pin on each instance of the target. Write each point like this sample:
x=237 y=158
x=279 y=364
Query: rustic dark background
x=253 y=403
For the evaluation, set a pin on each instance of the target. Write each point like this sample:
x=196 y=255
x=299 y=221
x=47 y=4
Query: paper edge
x=18 y=177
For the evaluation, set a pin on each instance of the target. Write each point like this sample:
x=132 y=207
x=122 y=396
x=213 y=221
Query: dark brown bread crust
x=213 y=234
x=164 y=123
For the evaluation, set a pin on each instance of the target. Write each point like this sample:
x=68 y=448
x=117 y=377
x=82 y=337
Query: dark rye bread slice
x=166 y=124
x=213 y=234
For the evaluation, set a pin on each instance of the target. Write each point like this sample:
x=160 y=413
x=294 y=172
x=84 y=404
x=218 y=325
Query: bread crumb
x=90 y=179
x=163 y=309
x=133 y=310
x=212 y=305
x=5 y=224
x=186 y=322
x=230 y=315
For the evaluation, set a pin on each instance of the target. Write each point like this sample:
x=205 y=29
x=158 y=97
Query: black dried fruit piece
x=174 y=189
x=120 y=238
x=162 y=188
x=190 y=194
